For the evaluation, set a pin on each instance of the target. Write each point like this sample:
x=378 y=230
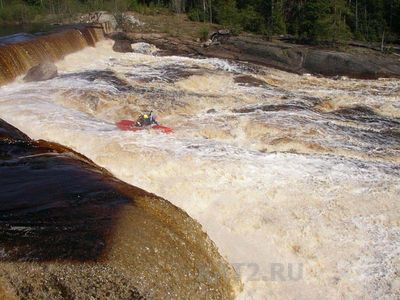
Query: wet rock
x=144 y=48
x=94 y=236
x=122 y=42
x=107 y=76
x=366 y=115
x=289 y=57
x=41 y=72
x=247 y=80
x=257 y=51
x=302 y=59
x=211 y=111
x=338 y=64
x=123 y=46
x=267 y=108
x=167 y=73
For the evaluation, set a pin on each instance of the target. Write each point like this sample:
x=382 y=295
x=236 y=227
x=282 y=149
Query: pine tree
x=338 y=26
x=277 y=17
x=325 y=20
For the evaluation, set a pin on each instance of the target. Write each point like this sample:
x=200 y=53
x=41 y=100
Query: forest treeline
x=313 y=21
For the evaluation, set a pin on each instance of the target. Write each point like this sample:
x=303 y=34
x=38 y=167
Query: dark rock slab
x=70 y=230
x=289 y=57
x=123 y=46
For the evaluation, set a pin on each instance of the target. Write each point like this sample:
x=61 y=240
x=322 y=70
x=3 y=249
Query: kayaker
x=153 y=118
x=146 y=120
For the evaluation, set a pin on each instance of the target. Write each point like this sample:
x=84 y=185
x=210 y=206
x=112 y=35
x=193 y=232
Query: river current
x=295 y=178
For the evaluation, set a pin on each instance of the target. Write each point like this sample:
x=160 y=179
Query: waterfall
x=17 y=58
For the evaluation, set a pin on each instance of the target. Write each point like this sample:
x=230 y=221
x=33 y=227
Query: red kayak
x=128 y=125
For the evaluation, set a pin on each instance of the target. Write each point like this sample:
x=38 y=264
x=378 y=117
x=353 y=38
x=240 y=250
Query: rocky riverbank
x=355 y=62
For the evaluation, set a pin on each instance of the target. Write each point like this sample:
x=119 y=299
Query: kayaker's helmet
x=146 y=116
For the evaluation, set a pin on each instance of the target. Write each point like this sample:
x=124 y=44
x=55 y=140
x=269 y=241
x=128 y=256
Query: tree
x=315 y=21
x=325 y=20
x=277 y=17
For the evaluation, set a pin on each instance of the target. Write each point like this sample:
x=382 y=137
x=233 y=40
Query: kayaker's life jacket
x=146 y=120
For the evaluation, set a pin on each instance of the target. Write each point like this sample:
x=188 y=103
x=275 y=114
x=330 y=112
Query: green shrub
x=203 y=33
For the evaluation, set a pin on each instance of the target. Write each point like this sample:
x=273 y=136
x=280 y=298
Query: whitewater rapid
x=295 y=178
